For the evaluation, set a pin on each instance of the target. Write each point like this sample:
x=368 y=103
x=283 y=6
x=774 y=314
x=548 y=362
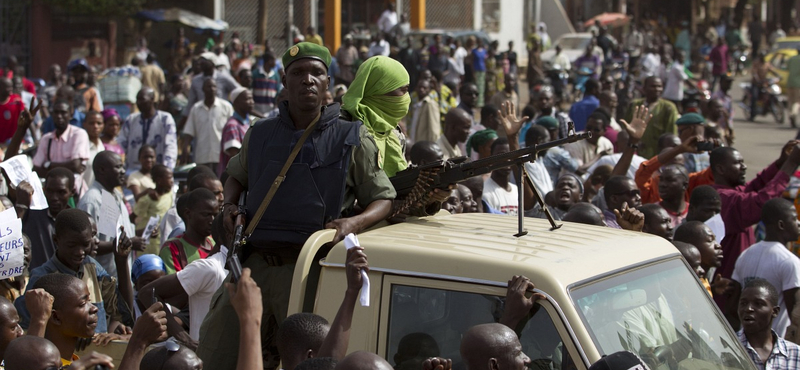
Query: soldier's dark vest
x=313 y=191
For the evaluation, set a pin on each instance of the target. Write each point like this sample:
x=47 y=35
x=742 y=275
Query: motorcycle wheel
x=778 y=111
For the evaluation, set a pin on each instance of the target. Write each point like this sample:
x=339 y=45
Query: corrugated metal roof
x=483 y=246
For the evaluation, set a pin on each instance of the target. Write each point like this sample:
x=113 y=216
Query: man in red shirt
x=10 y=108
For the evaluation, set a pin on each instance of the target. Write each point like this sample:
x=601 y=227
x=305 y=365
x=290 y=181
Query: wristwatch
x=634 y=146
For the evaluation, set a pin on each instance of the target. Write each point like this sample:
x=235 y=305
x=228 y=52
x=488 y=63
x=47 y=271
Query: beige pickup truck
x=607 y=290
x=432 y=278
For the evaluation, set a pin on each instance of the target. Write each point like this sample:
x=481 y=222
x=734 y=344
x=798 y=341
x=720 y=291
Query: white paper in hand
x=717 y=227
x=350 y=241
x=17 y=168
x=108 y=218
x=151 y=226
x=38 y=200
x=9 y=215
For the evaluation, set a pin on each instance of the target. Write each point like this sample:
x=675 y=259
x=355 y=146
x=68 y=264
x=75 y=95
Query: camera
x=705 y=146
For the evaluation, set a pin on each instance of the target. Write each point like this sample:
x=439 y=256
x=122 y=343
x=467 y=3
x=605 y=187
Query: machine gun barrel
x=454 y=170
x=234 y=263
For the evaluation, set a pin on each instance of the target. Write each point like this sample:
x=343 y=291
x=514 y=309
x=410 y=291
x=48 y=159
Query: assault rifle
x=414 y=184
x=234 y=264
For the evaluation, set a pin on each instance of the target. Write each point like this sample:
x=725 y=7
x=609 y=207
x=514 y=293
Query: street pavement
x=759 y=142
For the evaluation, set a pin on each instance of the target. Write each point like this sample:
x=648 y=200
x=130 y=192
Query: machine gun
x=414 y=184
x=234 y=264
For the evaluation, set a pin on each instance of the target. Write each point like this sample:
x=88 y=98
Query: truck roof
x=482 y=247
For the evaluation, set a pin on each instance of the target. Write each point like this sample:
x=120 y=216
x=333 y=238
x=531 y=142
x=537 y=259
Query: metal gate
x=15 y=35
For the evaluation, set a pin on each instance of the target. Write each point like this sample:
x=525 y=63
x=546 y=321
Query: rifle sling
x=279 y=180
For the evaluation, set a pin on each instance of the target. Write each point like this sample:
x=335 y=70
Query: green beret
x=549 y=122
x=690 y=119
x=305 y=50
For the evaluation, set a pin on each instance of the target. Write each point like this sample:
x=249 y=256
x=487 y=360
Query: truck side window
x=428 y=322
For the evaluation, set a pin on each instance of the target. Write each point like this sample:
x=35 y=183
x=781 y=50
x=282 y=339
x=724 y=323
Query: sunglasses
x=172 y=347
x=631 y=193
x=595 y=129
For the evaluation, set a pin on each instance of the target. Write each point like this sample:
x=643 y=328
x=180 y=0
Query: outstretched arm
x=335 y=344
x=635 y=130
x=246 y=301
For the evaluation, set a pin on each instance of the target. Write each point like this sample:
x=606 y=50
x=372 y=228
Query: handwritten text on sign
x=12 y=254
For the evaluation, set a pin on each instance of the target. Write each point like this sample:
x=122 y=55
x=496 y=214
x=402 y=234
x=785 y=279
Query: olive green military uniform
x=272 y=264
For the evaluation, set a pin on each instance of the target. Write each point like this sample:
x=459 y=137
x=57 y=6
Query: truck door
x=423 y=317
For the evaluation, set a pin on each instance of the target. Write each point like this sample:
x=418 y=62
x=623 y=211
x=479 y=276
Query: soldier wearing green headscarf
x=379 y=98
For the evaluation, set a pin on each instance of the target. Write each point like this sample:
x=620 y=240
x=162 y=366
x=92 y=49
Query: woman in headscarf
x=379 y=98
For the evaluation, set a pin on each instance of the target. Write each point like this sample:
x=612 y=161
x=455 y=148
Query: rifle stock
x=234 y=264
x=451 y=171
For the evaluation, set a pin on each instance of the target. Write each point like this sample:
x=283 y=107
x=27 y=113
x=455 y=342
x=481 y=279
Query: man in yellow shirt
x=73 y=316
x=313 y=37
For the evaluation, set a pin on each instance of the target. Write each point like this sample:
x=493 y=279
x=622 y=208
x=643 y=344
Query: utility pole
x=289 y=23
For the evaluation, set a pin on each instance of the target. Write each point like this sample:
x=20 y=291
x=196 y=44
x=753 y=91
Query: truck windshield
x=574 y=43
x=660 y=313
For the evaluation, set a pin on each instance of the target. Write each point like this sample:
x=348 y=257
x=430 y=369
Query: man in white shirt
x=650 y=63
x=536 y=170
x=498 y=191
x=613 y=159
x=772 y=261
x=388 y=19
x=459 y=55
x=587 y=152
x=206 y=120
x=634 y=43
x=197 y=282
x=561 y=60
x=676 y=76
x=379 y=47
x=457 y=125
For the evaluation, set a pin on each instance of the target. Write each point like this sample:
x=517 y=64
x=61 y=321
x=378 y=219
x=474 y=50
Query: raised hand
x=92 y=361
x=26 y=116
x=246 y=298
x=518 y=304
x=437 y=363
x=24 y=193
x=39 y=303
x=151 y=327
x=629 y=218
x=356 y=261
x=635 y=129
x=511 y=123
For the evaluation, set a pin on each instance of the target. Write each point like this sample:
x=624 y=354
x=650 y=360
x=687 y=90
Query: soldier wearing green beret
x=335 y=166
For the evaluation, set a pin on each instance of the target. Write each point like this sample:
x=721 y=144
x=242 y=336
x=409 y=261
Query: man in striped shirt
x=266 y=85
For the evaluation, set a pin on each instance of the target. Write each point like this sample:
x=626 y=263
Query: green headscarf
x=479 y=138
x=366 y=102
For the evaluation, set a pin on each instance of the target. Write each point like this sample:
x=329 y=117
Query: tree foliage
x=98 y=7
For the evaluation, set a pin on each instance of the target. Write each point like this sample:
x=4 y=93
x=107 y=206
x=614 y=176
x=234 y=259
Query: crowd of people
x=314 y=136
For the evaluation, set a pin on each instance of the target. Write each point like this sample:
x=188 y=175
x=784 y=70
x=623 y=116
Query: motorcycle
x=558 y=78
x=696 y=98
x=581 y=76
x=739 y=61
x=770 y=100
